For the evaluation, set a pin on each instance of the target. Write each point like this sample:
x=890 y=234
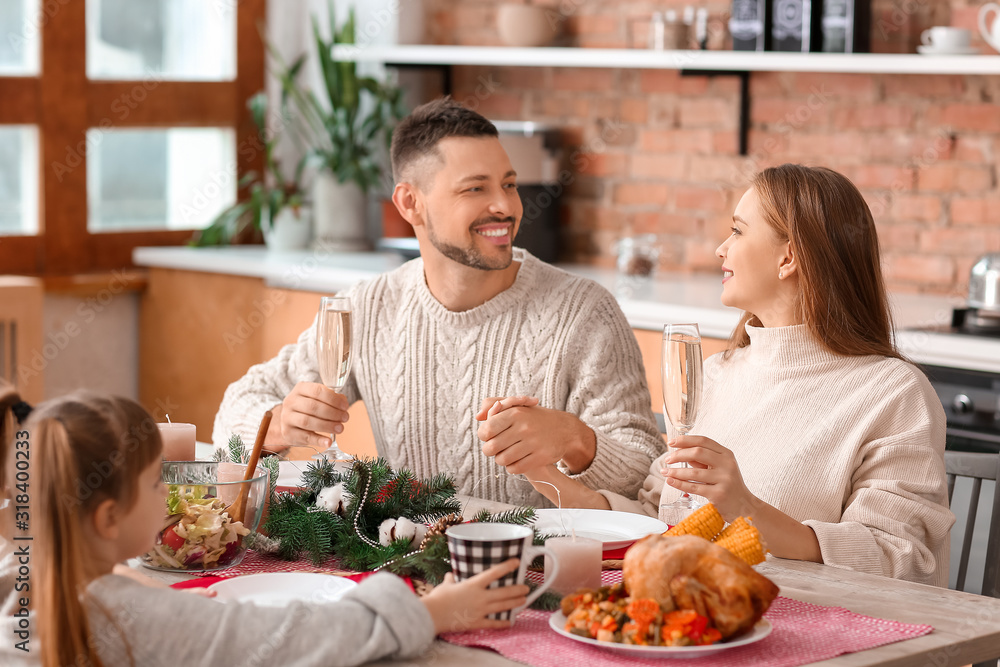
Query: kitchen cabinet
x=199 y=332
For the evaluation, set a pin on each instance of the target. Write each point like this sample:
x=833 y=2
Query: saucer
x=933 y=51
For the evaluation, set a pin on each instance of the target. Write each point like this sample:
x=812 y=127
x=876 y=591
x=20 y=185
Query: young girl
x=811 y=422
x=97 y=500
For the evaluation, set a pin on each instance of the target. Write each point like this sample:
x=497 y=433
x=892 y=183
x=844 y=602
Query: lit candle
x=178 y=441
x=579 y=563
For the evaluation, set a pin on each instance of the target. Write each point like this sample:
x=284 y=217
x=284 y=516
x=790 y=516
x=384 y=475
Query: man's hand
x=521 y=435
x=308 y=414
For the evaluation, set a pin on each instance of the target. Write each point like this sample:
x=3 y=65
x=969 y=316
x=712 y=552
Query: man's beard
x=471 y=256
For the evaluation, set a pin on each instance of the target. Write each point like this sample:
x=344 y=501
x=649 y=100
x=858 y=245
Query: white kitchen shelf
x=745 y=61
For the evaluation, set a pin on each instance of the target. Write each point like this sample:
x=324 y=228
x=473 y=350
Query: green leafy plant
x=269 y=192
x=344 y=129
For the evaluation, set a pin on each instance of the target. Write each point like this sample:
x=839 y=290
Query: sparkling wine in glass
x=681 y=373
x=333 y=351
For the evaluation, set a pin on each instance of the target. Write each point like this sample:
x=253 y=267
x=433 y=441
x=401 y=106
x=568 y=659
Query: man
x=477 y=356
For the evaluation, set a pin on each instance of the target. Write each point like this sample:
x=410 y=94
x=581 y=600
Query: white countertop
x=647 y=303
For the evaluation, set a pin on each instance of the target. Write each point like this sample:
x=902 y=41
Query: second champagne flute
x=681 y=373
x=333 y=352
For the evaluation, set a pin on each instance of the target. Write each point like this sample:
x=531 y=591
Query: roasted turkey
x=689 y=572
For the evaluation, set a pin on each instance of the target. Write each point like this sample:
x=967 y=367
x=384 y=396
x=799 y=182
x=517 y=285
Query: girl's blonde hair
x=842 y=296
x=83 y=449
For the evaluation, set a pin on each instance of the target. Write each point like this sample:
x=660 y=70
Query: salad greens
x=199 y=533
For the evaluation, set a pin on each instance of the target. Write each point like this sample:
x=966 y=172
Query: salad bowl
x=197 y=534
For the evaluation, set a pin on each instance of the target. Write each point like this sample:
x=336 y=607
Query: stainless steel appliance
x=971 y=401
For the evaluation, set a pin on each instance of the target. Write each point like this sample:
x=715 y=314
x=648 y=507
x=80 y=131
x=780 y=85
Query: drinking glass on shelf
x=681 y=373
x=333 y=351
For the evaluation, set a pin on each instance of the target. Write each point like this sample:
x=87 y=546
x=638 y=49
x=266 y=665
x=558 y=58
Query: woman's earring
x=781 y=275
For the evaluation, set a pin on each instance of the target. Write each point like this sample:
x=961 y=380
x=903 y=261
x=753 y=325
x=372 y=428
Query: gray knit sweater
x=423 y=372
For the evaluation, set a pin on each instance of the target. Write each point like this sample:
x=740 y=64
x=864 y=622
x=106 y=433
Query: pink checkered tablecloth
x=802 y=633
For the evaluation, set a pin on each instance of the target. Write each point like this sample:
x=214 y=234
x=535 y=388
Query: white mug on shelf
x=945 y=38
x=992 y=33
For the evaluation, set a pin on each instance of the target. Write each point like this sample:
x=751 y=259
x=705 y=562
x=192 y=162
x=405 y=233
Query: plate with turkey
x=760 y=630
x=616 y=530
x=680 y=597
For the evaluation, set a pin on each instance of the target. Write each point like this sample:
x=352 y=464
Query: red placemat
x=802 y=633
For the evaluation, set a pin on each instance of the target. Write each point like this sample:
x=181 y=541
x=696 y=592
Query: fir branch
x=237 y=450
x=319 y=475
x=270 y=464
x=547 y=601
x=520 y=516
x=220 y=455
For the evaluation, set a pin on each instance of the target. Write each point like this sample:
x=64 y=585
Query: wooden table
x=966 y=626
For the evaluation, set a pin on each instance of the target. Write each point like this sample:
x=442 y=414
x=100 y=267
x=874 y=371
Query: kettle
x=984 y=283
x=992 y=33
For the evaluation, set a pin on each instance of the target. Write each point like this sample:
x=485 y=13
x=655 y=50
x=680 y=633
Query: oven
x=971 y=401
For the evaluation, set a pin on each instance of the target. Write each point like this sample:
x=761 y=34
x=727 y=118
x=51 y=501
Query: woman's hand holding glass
x=714 y=475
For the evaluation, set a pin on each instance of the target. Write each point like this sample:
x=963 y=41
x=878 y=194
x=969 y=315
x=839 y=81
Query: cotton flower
x=387 y=532
x=334 y=498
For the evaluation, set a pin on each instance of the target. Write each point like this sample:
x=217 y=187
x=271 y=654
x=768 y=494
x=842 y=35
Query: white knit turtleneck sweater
x=850 y=446
x=423 y=372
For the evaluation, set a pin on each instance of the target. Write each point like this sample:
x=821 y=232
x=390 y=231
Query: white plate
x=277 y=589
x=935 y=51
x=763 y=628
x=615 y=529
x=290 y=473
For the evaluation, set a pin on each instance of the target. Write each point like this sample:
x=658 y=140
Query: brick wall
x=652 y=151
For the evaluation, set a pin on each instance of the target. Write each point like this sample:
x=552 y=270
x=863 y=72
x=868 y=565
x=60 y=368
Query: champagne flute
x=333 y=351
x=681 y=373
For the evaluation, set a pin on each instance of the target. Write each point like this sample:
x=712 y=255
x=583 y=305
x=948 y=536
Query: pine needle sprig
x=520 y=516
x=320 y=474
x=237 y=450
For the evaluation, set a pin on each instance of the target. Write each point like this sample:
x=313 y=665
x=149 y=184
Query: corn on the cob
x=738 y=524
x=704 y=522
x=743 y=542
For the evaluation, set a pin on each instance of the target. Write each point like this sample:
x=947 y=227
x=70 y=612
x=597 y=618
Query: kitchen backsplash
x=652 y=151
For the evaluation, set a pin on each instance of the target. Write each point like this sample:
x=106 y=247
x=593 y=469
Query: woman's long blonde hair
x=83 y=449
x=842 y=296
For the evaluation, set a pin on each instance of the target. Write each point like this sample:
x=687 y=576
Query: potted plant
x=344 y=129
x=276 y=204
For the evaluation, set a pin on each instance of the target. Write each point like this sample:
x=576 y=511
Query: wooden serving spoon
x=238 y=508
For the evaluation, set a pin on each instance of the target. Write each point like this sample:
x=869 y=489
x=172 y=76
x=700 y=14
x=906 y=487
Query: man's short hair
x=417 y=136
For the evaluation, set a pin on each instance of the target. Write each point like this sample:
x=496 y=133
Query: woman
x=811 y=423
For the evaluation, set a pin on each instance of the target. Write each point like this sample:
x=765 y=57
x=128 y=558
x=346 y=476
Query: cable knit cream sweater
x=851 y=446
x=423 y=372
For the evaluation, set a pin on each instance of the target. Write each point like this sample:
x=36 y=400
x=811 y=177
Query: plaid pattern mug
x=475 y=547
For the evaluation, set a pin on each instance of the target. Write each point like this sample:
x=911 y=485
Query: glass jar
x=637 y=255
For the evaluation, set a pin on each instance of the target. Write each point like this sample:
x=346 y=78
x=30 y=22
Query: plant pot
x=339 y=210
x=291 y=229
x=394 y=225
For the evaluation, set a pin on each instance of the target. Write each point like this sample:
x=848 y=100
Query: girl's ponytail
x=57 y=514
x=84 y=449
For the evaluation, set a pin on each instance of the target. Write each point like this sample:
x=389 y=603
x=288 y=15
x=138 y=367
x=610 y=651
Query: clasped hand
x=714 y=475
x=522 y=436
